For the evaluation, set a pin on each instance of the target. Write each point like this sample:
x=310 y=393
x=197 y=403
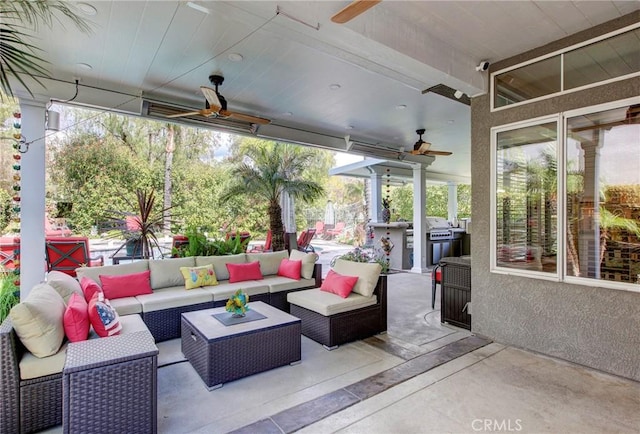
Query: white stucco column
x=376 y=198
x=452 y=201
x=419 y=220
x=32 y=257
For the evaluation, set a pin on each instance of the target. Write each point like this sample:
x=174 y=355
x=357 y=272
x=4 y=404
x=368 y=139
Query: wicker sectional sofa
x=161 y=310
x=332 y=320
x=35 y=392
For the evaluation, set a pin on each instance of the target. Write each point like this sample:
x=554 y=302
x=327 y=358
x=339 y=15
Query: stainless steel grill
x=440 y=234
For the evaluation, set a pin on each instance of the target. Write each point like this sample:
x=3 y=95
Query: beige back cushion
x=308 y=262
x=64 y=284
x=166 y=272
x=269 y=261
x=367 y=273
x=219 y=262
x=38 y=320
x=94 y=273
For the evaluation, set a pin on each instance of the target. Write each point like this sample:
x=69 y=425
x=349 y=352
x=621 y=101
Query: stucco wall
x=593 y=326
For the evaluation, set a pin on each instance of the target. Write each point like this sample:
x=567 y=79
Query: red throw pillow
x=89 y=287
x=244 y=272
x=103 y=317
x=76 y=319
x=290 y=269
x=338 y=284
x=126 y=285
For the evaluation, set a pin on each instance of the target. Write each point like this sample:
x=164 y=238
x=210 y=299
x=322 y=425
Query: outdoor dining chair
x=65 y=254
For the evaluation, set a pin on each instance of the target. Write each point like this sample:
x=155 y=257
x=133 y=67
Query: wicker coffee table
x=220 y=353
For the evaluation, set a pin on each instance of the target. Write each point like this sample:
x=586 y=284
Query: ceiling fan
x=353 y=9
x=216 y=105
x=424 y=148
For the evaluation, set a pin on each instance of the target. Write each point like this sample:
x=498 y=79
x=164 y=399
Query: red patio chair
x=304 y=240
x=178 y=242
x=319 y=228
x=65 y=254
x=266 y=247
x=9 y=252
x=336 y=231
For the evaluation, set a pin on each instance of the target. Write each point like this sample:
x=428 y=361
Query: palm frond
x=18 y=57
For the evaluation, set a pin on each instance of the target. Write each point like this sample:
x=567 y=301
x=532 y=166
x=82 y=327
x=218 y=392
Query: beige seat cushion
x=126 y=305
x=368 y=274
x=64 y=284
x=35 y=367
x=38 y=320
x=112 y=270
x=165 y=273
x=308 y=262
x=269 y=261
x=279 y=283
x=224 y=290
x=176 y=296
x=327 y=303
x=219 y=262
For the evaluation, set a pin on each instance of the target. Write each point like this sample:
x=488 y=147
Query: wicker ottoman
x=112 y=387
x=221 y=353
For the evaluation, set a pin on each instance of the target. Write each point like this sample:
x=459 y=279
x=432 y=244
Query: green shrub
x=9 y=294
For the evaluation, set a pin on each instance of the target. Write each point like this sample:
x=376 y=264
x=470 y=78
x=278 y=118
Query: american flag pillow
x=103 y=317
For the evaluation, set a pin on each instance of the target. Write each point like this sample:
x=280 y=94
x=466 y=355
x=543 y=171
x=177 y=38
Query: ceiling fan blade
x=353 y=9
x=244 y=117
x=212 y=98
x=203 y=112
x=443 y=153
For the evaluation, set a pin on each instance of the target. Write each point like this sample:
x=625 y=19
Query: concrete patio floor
x=420 y=377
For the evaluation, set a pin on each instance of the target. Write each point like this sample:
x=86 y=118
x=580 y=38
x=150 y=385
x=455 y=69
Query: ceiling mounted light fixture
x=87 y=9
x=235 y=57
x=334 y=86
x=198 y=8
x=401 y=106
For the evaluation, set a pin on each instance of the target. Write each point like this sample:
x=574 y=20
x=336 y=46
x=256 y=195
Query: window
x=611 y=57
x=526 y=198
x=566 y=203
x=603 y=195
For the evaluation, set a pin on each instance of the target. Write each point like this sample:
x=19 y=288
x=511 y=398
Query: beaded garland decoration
x=15 y=209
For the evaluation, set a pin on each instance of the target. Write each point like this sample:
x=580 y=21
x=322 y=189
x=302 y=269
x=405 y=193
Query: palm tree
x=267 y=170
x=18 y=57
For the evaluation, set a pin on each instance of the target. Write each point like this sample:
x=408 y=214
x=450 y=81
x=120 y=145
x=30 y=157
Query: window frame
x=560 y=52
x=561 y=274
x=494 y=268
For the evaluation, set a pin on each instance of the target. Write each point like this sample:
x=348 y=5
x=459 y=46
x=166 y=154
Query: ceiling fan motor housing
x=217 y=80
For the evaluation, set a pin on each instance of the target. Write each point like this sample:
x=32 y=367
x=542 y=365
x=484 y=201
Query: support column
x=376 y=198
x=452 y=202
x=419 y=220
x=32 y=216
x=589 y=232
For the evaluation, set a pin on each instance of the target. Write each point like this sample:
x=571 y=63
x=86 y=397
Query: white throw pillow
x=64 y=284
x=367 y=272
x=308 y=262
x=38 y=320
x=166 y=273
x=269 y=261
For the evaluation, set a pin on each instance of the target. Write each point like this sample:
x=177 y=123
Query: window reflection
x=528 y=82
x=526 y=202
x=603 y=195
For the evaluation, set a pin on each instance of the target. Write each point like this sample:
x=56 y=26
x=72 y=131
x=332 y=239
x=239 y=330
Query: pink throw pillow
x=290 y=269
x=126 y=285
x=103 y=317
x=76 y=319
x=89 y=287
x=244 y=272
x=339 y=284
